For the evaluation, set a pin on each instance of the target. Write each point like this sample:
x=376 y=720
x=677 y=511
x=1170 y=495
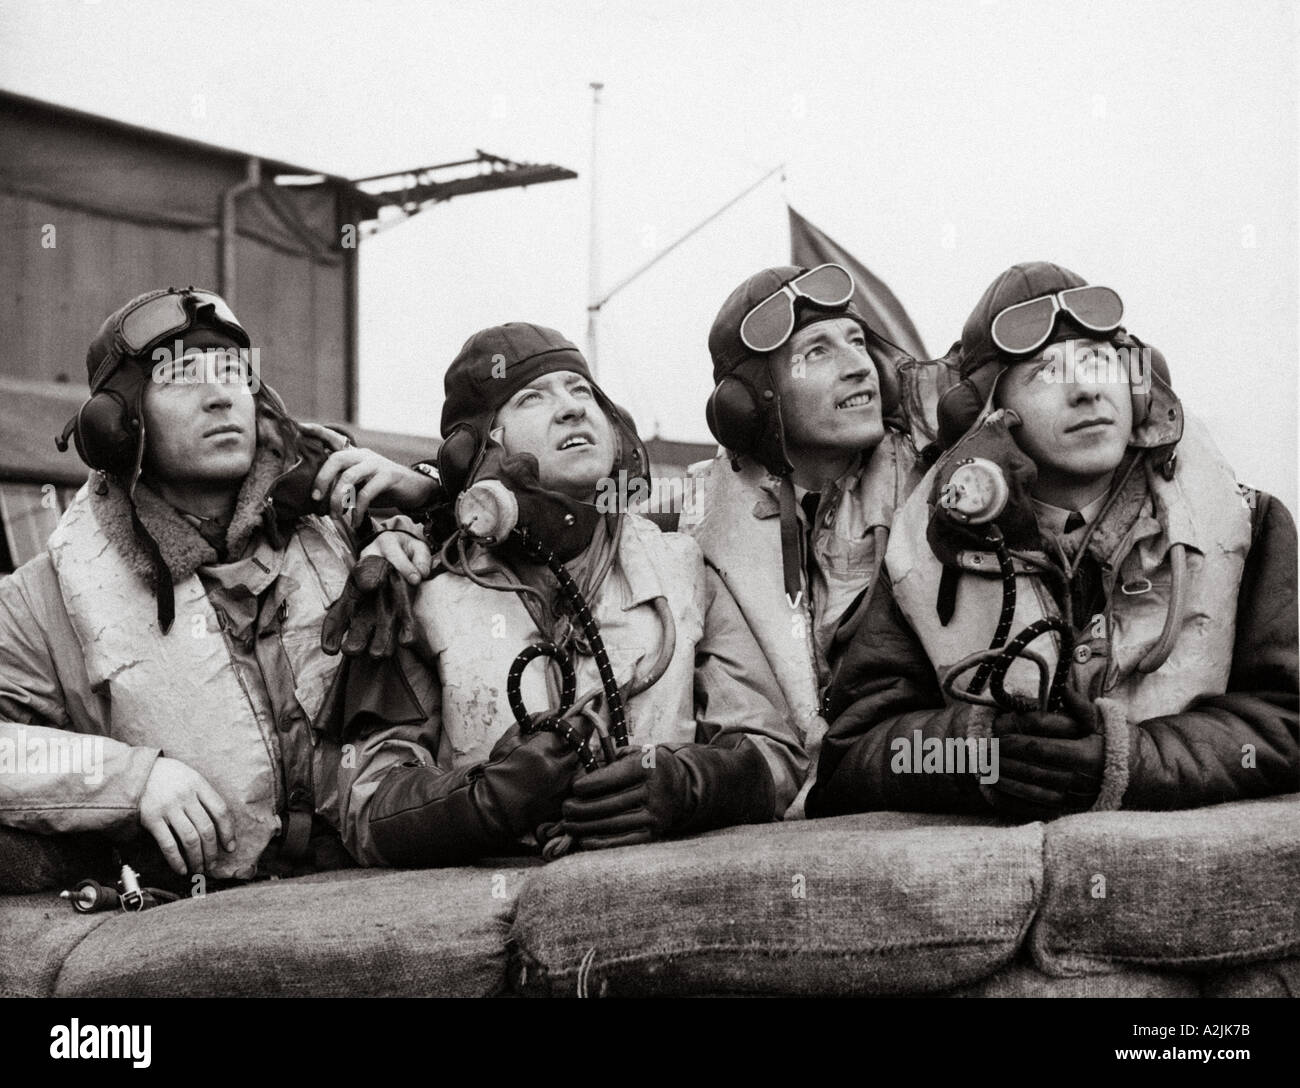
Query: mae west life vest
x=737 y=524
x=182 y=692
x=474 y=633
x=1202 y=508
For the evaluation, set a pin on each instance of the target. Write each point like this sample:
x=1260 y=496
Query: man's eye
x=581 y=390
x=525 y=398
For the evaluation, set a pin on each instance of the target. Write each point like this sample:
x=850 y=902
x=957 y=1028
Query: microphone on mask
x=507 y=499
x=488 y=511
x=976 y=492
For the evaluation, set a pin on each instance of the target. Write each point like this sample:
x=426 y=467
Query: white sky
x=1151 y=146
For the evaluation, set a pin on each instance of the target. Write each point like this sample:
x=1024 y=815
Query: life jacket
x=182 y=692
x=737 y=524
x=474 y=633
x=1202 y=508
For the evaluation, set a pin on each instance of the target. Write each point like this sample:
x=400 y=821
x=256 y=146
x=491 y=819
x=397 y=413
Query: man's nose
x=217 y=395
x=1094 y=375
x=855 y=364
x=569 y=407
x=1083 y=390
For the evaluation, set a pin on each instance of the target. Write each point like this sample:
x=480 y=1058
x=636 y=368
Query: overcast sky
x=1151 y=146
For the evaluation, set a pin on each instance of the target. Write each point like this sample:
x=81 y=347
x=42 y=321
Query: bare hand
x=401 y=542
x=356 y=479
x=179 y=806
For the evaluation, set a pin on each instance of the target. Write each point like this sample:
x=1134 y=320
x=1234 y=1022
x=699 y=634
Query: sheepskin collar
x=182 y=546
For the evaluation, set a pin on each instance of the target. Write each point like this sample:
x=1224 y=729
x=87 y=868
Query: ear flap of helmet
x=732 y=414
x=107 y=433
x=1157 y=411
x=744 y=414
x=891 y=399
x=959 y=406
x=458 y=457
x=109 y=427
x=631 y=457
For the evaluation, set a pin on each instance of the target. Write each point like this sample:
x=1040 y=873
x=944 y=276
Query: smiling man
x=796 y=511
x=1159 y=593
x=176 y=616
x=710 y=740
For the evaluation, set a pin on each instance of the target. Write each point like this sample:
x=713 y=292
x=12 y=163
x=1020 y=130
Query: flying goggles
x=769 y=324
x=1025 y=327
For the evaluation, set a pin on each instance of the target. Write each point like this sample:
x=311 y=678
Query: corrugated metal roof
x=41 y=105
x=270 y=166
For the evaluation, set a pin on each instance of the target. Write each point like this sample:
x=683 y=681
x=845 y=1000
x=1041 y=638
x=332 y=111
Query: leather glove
x=1049 y=763
x=646 y=794
x=421 y=815
x=373 y=613
x=290 y=493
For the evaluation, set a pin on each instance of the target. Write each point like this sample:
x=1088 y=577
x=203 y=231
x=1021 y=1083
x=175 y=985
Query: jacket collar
x=252 y=572
x=634 y=575
x=1186 y=510
x=874 y=485
x=1130 y=518
x=182 y=546
x=1148 y=505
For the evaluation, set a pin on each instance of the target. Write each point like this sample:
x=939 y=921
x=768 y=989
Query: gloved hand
x=373 y=613
x=1049 y=763
x=290 y=496
x=421 y=815
x=648 y=793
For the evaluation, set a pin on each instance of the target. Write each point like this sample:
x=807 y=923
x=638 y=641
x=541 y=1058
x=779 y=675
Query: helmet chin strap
x=162 y=573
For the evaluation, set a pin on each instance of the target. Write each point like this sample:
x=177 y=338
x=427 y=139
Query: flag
x=922 y=381
x=810 y=247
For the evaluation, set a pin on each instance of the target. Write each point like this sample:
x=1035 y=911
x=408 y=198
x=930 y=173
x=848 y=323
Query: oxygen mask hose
x=577 y=605
x=976 y=494
x=489 y=512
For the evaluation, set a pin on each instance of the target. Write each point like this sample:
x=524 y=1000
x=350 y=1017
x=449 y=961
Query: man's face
x=200 y=417
x=557 y=420
x=830 y=392
x=1075 y=408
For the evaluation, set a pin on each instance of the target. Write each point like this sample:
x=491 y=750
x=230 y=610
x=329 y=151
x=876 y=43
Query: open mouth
x=858 y=400
x=576 y=441
x=1089 y=424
